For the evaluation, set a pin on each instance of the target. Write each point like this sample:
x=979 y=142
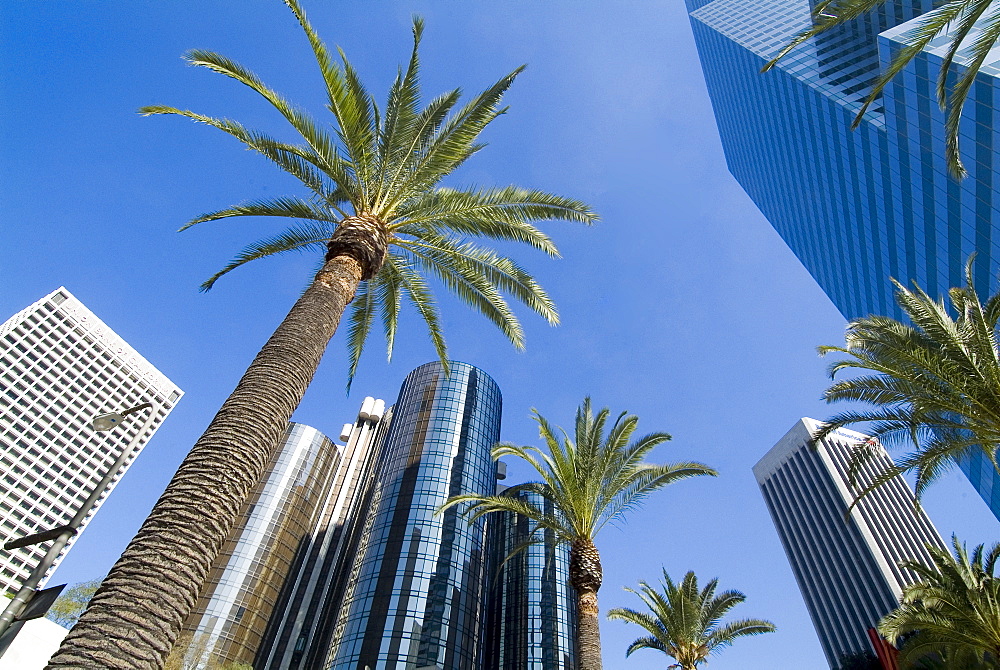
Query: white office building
x=60 y=366
x=846 y=566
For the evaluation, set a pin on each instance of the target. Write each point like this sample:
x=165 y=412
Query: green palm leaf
x=951 y=612
x=933 y=385
x=685 y=622
x=387 y=166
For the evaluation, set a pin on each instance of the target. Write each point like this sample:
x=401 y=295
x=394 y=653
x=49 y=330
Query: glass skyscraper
x=247 y=579
x=530 y=622
x=847 y=568
x=416 y=596
x=856 y=207
x=302 y=624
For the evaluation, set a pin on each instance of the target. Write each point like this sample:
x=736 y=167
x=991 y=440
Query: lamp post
x=62 y=534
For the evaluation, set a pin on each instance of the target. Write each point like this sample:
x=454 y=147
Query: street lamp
x=62 y=534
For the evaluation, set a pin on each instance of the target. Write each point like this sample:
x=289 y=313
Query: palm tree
x=952 y=610
x=382 y=222
x=591 y=480
x=956 y=18
x=685 y=623
x=934 y=384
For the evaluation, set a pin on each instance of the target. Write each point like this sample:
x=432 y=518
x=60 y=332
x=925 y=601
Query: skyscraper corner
x=60 y=367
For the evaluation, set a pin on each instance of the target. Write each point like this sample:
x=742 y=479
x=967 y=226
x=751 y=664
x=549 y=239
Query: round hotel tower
x=246 y=580
x=416 y=594
x=531 y=607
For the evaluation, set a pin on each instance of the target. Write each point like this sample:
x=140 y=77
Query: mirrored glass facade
x=856 y=207
x=302 y=624
x=530 y=622
x=416 y=591
x=248 y=578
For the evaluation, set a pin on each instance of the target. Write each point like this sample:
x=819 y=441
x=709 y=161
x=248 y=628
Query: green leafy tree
x=68 y=607
x=959 y=19
x=382 y=225
x=952 y=611
x=934 y=383
x=594 y=479
x=685 y=622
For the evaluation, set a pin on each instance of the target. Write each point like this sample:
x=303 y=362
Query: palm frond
x=289 y=207
x=296 y=238
x=587 y=479
x=685 y=621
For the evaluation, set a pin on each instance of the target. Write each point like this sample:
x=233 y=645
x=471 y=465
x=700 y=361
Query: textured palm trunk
x=585 y=575
x=135 y=616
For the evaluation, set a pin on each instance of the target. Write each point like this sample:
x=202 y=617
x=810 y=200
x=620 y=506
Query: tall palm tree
x=685 y=622
x=934 y=383
x=592 y=480
x=953 y=609
x=378 y=215
x=956 y=18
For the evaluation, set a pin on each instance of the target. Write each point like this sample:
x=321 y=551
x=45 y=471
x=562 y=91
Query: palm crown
x=374 y=182
x=935 y=383
x=591 y=481
x=956 y=18
x=685 y=622
x=953 y=609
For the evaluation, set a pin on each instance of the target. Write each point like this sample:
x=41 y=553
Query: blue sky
x=682 y=306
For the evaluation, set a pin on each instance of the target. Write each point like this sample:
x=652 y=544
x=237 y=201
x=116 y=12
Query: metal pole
x=15 y=606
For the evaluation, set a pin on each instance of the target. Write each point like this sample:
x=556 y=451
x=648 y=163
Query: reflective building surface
x=416 y=592
x=530 y=622
x=847 y=569
x=341 y=562
x=303 y=622
x=247 y=580
x=856 y=207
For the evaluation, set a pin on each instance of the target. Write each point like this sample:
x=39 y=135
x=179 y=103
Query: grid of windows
x=846 y=569
x=60 y=366
x=416 y=589
x=530 y=621
x=247 y=579
x=856 y=207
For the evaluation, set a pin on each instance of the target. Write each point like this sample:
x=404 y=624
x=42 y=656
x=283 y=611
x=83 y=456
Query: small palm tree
x=953 y=610
x=957 y=18
x=592 y=480
x=934 y=384
x=685 y=622
x=381 y=223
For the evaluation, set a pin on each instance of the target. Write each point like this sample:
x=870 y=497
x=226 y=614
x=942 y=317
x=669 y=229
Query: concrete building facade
x=61 y=366
x=846 y=566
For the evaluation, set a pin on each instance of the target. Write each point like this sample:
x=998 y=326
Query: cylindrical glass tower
x=416 y=594
x=530 y=622
x=228 y=621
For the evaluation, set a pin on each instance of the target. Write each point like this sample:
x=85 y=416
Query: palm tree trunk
x=585 y=575
x=135 y=616
x=588 y=632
